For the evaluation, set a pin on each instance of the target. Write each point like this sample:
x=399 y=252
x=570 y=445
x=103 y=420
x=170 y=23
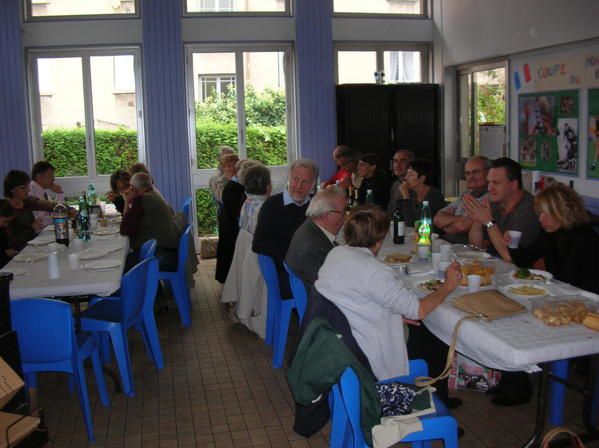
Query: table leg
x=536 y=437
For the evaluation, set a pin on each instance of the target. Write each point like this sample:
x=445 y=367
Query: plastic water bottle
x=92 y=195
x=424 y=231
x=60 y=216
x=369 y=197
x=83 y=220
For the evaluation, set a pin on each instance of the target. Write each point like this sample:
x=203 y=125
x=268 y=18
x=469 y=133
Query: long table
x=518 y=343
x=36 y=282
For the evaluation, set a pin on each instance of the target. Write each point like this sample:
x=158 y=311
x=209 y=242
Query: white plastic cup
x=473 y=283
x=436 y=259
x=77 y=244
x=74 y=261
x=445 y=251
x=423 y=252
x=53 y=269
x=516 y=235
x=443 y=265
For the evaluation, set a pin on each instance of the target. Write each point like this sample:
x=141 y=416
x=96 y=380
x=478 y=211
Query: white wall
x=471 y=31
x=481 y=29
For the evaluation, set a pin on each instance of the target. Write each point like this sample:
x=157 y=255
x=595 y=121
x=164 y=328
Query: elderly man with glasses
x=315 y=238
x=453 y=218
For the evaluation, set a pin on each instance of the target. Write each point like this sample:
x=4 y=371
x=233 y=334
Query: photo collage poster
x=593 y=155
x=548 y=131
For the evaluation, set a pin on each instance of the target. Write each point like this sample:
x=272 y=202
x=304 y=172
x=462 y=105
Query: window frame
x=470 y=70
x=200 y=176
x=380 y=49
x=286 y=13
x=219 y=78
x=378 y=15
x=29 y=17
x=77 y=183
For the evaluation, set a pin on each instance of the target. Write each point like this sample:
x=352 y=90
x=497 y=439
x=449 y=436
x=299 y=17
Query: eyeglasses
x=472 y=173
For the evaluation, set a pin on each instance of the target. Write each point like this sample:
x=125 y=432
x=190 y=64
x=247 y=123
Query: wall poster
x=548 y=131
x=593 y=157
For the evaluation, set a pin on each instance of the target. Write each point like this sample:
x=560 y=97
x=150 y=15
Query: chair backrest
x=187 y=209
x=298 y=289
x=269 y=272
x=349 y=386
x=44 y=328
x=183 y=254
x=151 y=282
x=133 y=290
x=148 y=249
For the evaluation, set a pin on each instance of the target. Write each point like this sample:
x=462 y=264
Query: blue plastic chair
x=148 y=249
x=178 y=280
x=298 y=289
x=116 y=317
x=48 y=343
x=557 y=392
x=440 y=425
x=278 y=312
x=187 y=209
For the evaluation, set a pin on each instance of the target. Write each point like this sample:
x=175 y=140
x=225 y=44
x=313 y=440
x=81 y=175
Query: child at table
x=6 y=215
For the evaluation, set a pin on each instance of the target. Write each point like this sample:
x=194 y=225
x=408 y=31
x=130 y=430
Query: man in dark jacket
x=315 y=237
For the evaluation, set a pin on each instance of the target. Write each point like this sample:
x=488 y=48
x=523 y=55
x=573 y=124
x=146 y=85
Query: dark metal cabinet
x=383 y=118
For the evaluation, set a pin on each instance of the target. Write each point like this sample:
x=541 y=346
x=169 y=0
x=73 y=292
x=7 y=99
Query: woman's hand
x=453 y=275
x=111 y=195
x=404 y=190
x=11 y=252
x=507 y=238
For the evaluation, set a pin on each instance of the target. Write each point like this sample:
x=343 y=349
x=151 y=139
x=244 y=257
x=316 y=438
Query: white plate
x=472 y=255
x=117 y=219
x=100 y=265
x=507 y=290
x=91 y=253
x=106 y=231
x=42 y=240
x=30 y=257
x=49 y=228
x=420 y=285
x=545 y=274
x=14 y=271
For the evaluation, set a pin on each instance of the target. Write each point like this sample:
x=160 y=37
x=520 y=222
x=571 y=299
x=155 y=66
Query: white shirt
x=45 y=195
x=373 y=299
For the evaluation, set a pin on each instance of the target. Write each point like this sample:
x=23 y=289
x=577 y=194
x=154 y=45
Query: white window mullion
x=89 y=117
x=240 y=94
x=34 y=101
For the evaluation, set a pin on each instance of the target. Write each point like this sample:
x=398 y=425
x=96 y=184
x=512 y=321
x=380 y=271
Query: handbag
x=484 y=305
x=551 y=434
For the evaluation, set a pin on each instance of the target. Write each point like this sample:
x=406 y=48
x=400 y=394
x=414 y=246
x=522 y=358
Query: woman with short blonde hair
x=567 y=243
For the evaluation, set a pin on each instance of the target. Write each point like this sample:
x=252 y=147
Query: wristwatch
x=490 y=224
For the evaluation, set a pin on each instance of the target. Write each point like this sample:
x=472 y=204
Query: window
x=65 y=8
x=91 y=123
x=411 y=7
x=236 y=6
x=363 y=64
x=482 y=102
x=215 y=86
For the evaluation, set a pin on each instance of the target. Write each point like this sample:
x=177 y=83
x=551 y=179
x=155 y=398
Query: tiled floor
x=218 y=390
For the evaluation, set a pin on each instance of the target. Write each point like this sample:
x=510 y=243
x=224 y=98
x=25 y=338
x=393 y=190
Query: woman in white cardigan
x=371 y=294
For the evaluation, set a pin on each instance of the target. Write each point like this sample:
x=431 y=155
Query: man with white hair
x=313 y=240
x=145 y=216
x=282 y=214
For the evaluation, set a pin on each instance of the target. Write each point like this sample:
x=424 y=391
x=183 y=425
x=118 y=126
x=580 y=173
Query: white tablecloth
x=36 y=283
x=514 y=343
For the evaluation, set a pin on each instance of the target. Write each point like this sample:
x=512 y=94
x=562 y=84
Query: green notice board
x=548 y=131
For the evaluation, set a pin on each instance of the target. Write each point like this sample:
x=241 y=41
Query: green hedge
x=265 y=143
x=65 y=149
